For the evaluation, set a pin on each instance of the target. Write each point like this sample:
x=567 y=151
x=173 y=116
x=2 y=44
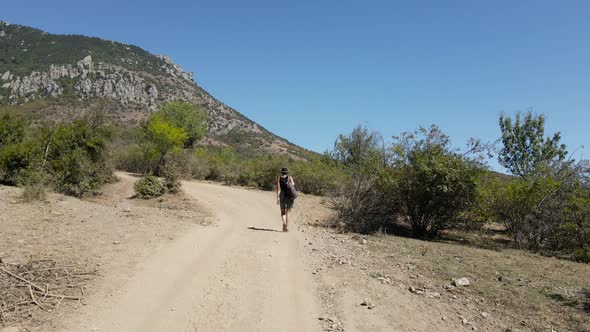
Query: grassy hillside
x=24 y=49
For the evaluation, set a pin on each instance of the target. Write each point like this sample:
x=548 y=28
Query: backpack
x=291 y=192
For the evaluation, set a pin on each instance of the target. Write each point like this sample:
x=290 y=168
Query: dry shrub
x=34 y=192
x=361 y=207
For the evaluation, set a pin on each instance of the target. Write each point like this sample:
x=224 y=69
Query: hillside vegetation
x=26 y=49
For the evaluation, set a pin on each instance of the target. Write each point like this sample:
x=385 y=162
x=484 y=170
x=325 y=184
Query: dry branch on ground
x=29 y=290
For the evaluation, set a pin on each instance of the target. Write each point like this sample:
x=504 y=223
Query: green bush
x=582 y=255
x=18 y=161
x=77 y=158
x=73 y=157
x=319 y=176
x=432 y=184
x=149 y=186
x=12 y=128
x=131 y=158
x=171 y=178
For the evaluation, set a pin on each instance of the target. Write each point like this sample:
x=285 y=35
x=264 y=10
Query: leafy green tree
x=431 y=184
x=161 y=138
x=185 y=115
x=526 y=152
x=360 y=144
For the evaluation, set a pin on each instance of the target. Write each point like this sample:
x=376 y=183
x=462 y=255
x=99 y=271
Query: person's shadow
x=263 y=229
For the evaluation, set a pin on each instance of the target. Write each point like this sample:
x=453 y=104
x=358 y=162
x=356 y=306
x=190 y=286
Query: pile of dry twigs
x=31 y=290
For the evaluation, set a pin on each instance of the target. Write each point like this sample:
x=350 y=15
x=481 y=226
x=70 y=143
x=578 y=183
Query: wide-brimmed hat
x=284 y=170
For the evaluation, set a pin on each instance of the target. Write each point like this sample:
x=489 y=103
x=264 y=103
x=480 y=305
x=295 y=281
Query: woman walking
x=284 y=200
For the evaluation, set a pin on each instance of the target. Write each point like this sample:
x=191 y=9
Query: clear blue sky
x=309 y=70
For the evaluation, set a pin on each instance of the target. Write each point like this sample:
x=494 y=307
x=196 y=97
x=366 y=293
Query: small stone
x=434 y=295
x=116 y=242
x=464 y=321
x=485 y=314
x=461 y=282
x=412 y=289
x=443 y=318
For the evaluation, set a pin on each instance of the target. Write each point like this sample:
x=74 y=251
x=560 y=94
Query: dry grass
x=516 y=287
x=34 y=192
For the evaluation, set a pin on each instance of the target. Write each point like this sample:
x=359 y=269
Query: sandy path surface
x=226 y=277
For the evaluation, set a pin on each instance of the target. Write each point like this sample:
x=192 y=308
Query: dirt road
x=239 y=275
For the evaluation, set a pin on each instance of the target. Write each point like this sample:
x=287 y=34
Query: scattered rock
x=412 y=289
x=443 y=318
x=5 y=77
x=461 y=282
x=368 y=304
x=503 y=279
x=485 y=314
x=116 y=242
x=385 y=280
x=364 y=241
x=433 y=295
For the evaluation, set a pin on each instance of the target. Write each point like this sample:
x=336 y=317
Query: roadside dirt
x=110 y=234
x=409 y=284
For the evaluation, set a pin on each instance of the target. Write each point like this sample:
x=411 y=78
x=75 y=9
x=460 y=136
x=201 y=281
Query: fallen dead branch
x=23 y=298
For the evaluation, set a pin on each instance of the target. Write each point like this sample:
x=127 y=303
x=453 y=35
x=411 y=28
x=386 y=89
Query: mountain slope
x=63 y=74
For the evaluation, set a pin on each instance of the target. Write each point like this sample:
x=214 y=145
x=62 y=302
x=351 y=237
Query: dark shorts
x=286 y=203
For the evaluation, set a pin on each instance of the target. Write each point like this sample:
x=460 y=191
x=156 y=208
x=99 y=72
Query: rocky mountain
x=67 y=74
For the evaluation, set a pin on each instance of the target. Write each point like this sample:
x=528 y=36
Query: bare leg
x=287 y=217
x=284 y=218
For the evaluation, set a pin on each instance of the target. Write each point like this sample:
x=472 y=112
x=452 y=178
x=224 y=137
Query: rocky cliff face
x=91 y=81
x=133 y=78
